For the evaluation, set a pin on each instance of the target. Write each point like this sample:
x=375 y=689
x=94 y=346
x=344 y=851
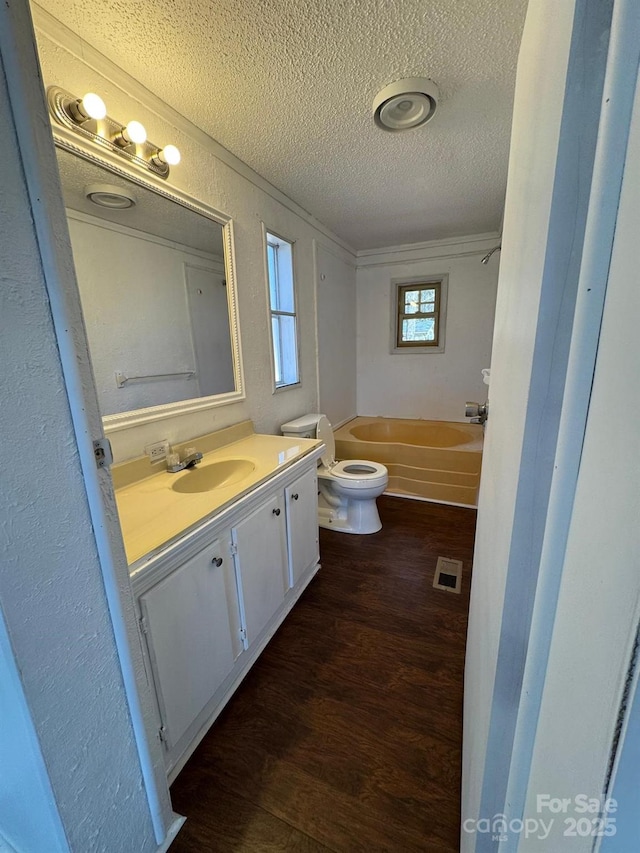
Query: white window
x=282 y=306
x=418 y=311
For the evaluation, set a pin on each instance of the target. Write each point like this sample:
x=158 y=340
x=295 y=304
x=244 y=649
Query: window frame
x=267 y=234
x=398 y=285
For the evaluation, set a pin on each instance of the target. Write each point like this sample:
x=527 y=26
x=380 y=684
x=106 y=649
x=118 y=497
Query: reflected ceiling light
x=111 y=196
x=87 y=116
x=405 y=104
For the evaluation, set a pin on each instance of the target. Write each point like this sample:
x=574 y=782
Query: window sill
x=280 y=388
x=416 y=350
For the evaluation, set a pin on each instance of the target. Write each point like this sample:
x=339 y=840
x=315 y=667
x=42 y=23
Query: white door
x=209 y=313
x=261 y=564
x=562 y=195
x=301 y=499
x=189 y=637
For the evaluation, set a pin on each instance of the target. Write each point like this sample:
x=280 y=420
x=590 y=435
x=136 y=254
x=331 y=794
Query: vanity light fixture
x=87 y=116
x=405 y=104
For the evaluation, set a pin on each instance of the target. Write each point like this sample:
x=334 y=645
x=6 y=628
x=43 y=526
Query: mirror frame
x=67 y=141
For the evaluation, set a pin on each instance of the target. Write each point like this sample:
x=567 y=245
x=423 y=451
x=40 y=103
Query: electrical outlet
x=157 y=451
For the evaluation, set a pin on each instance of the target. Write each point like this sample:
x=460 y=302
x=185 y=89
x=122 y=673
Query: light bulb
x=170 y=154
x=94 y=106
x=135 y=132
x=90 y=106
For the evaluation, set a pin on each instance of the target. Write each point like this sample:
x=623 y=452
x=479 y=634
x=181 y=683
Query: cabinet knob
x=217 y=562
x=295 y=497
x=276 y=511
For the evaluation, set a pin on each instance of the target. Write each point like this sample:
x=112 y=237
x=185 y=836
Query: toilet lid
x=324 y=432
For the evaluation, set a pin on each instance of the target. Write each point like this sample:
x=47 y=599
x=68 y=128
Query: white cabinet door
x=301 y=500
x=186 y=620
x=261 y=564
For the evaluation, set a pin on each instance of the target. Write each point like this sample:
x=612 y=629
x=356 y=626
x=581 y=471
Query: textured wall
x=336 y=308
x=430 y=385
x=52 y=592
x=29 y=819
x=206 y=177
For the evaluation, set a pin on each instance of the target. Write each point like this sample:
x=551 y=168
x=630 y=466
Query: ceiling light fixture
x=108 y=195
x=405 y=104
x=87 y=116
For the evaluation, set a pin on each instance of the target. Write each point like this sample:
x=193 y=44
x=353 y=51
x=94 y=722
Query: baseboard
x=174 y=829
x=345 y=421
x=427 y=500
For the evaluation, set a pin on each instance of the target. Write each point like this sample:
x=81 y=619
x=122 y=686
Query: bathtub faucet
x=478 y=412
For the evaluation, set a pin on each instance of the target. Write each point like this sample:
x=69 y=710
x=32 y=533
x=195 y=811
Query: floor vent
x=448 y=575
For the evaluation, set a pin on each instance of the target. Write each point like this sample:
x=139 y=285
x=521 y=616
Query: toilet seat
x=351 y=473
x=356 y=473
x=358 y=469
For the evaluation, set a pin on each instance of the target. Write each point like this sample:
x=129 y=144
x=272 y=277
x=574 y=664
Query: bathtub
x=430 y=460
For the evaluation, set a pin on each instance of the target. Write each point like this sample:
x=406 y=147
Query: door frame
x=498 y=759
x=35 y=142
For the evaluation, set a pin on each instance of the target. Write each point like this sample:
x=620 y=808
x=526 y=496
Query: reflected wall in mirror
x=153 y=287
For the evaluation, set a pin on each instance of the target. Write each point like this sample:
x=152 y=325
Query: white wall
x=336 y=311
x=52 y=589
x=430 y=385
x=210 y=174
x=30 y=819
x=598 y=606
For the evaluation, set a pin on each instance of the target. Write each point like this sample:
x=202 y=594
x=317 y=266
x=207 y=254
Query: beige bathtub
x=432 y=460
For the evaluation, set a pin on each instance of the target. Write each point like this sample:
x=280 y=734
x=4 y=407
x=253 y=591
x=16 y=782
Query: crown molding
x=449 y=247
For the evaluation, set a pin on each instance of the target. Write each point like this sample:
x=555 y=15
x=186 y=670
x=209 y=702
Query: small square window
x=418 y=315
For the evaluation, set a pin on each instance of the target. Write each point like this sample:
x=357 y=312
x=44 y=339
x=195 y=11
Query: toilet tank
x=303 y=427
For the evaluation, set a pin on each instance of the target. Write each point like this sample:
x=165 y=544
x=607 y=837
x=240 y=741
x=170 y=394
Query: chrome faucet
x=190 y=461
x=478 y=412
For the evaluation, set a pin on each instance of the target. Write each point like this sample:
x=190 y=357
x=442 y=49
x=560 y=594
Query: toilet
x=347 y=490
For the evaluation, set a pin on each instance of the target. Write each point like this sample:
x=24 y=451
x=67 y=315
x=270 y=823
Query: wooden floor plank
x=346 y=734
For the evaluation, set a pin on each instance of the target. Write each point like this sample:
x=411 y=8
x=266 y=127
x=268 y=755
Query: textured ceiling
x=287 y=86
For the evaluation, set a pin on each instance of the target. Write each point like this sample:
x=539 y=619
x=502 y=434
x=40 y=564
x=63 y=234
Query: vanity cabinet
x=301 y=500
x=209 y=604
x=259 y=548
x=186 y=619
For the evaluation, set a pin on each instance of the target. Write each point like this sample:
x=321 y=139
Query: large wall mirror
x=157 y=287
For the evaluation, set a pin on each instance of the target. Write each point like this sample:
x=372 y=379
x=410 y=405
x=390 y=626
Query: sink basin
x=213 y=475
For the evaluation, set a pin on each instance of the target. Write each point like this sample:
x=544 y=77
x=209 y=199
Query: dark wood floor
x=346 y=734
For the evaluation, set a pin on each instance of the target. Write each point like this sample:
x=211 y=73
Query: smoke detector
x=405 y=104
x=108 y=195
